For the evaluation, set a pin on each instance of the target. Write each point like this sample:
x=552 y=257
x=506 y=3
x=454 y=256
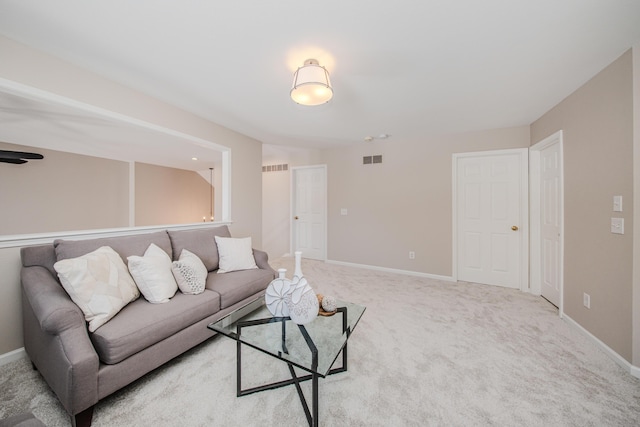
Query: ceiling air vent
x=368 y=160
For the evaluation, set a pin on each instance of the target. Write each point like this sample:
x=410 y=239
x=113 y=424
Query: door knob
x=514 y=228
x=295 y=217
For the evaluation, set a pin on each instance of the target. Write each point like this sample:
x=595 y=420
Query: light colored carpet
x=424 y=353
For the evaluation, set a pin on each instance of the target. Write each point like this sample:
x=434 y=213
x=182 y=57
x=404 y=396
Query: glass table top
x=259 y=329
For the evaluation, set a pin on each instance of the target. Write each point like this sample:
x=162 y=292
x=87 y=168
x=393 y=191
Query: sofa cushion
x=234 y=287
x=152 y=274
x=140 y=324
x=125 y=246
x=201 y=242
x=99 y=283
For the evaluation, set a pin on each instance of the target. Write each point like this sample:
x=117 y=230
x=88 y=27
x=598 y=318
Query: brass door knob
x=295 y=217
x=514 y=228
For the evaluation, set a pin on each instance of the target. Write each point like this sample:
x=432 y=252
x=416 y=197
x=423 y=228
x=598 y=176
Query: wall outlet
x=412 y=255
x=586 y=300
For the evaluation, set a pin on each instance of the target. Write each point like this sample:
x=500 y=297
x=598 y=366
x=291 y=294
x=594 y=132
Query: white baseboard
x=633 y=370
x=12 y=356
x=393 y=270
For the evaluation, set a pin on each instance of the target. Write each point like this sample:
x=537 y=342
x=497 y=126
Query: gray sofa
x=83 y=367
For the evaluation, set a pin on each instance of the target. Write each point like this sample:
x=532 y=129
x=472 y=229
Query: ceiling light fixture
x=311 y=84
x=381 y=136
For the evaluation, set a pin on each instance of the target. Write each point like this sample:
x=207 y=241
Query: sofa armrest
x=262 y=260
x=53 y=308
x=57 y=340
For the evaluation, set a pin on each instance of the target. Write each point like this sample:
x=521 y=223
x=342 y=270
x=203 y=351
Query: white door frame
x=535 y=188
x=524 y=209
x=292 y=207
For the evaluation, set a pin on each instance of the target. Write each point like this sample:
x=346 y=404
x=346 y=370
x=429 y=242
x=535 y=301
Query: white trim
x=226 y=186
x=454 y=216
x=132 y=194
x=524 y=209
x=535 y=194
x=633 y=370
x=20 y=240
x=12 y=356
x=292 y=207
x=393 y=270
x=635 y=277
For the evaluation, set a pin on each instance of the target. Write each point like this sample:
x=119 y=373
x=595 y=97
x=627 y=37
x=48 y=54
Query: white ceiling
x=405 y=68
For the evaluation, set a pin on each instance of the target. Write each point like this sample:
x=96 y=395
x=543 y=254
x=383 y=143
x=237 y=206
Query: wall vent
x=369 y=160
x=275 y=168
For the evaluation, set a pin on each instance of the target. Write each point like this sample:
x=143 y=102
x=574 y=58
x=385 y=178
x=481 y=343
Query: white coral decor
x=329 y=304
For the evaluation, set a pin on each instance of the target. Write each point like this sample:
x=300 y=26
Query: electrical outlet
x=412 y=255
x=586 y=300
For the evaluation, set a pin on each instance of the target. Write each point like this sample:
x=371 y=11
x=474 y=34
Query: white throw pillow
x=99 y=283
x=235 y=254
x=190 y=273
x=152 y=273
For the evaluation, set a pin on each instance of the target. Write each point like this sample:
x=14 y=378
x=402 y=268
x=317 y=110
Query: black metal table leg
x=312 y=414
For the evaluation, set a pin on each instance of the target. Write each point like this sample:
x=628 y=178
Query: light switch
x=617 y=203
x=343 y=211
x=617 y=225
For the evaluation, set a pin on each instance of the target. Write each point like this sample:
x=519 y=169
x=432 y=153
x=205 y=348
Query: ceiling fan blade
x=13 y=161
x=20 y=155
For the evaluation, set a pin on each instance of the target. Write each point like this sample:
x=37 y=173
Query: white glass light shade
x=311 y=84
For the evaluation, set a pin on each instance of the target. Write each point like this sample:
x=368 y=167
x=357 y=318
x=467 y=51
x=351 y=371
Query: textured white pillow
x=235 y=254
x=190 y=273
x=152 y=273
x=99 y=283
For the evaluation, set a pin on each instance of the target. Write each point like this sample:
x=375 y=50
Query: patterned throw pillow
x=99 y=283
x=190 y=273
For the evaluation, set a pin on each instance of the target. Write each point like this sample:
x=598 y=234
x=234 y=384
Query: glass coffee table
x=313 y=347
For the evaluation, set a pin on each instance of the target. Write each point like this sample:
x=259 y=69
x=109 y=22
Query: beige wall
x=597 y=125
x=30 y=67
x=276 y=195
x=403 y=204
x=170 y=196
x=276 y=210
x=44 y=195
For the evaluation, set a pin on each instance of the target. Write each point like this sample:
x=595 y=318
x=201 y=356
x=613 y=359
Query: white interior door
x=310 y=211
x=547 y=219
x=550 y=223
x=491 y=210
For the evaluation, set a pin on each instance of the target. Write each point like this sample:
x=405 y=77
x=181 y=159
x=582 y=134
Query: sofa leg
x=33 y=365
x=83 y=419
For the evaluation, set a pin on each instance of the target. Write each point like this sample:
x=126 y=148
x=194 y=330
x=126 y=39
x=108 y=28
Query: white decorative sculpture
x=292 y=298
x=298 y=269
x=302 y=301
x=277 y=294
